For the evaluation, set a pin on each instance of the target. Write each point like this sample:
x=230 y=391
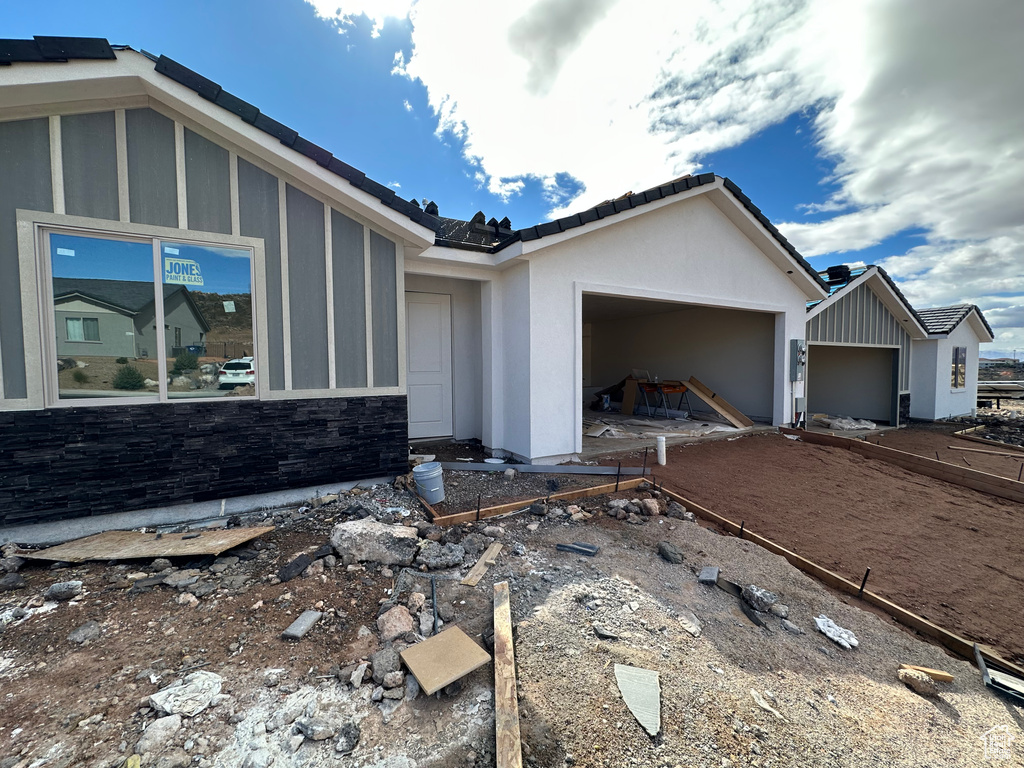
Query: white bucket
x=429 y=482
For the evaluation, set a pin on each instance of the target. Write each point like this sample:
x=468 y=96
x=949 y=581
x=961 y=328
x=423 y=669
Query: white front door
x=428 y=341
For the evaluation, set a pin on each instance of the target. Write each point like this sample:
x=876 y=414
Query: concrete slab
x=641 y=690
x=298 y=628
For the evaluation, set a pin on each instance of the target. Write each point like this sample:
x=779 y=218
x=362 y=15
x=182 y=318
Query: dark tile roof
x=625 y=203
x=945 y=319
x=129 y=295
x=835 y=286
x=58 y=49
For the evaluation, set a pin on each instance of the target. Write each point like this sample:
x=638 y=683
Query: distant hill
x=226 y=326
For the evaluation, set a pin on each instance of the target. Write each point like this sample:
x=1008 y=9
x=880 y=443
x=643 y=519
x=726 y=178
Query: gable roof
x=839 y=279
x=130 y=296
x=943 y=320
x=64 y=49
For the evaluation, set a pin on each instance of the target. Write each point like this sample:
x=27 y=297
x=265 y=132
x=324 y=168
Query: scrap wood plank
x=992 y=442
x=486 y=559
x=994 y=485
x=544 y=469
x=934 y=674
x=988 y=453
x=720 y=404
x=944 y=637
x=501 y=509
x=508 y=750
x=133 y=545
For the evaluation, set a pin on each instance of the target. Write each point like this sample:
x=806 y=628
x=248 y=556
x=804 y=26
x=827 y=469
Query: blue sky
x=887 y=132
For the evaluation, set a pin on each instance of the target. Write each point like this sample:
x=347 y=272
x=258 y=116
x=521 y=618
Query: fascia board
x=132 y=74
x=979 y=327
x=457 y=257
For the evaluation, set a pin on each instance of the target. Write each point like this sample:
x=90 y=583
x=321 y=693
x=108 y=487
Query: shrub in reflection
x=129 y=377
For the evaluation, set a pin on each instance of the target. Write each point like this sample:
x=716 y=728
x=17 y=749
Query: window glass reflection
x=208 y=322
x=103 y=306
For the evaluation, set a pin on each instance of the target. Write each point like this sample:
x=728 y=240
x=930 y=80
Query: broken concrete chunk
x=689 y=622
x=359 y=674
x=760 y=701
x=394 y=623
x=298 y=628
x=348 y=739
x=641 y=691
x=780 y=610
x=758 y=598
x=315 y=728
x=11 y=582
x=394 y=679
x=709 y=575
x=83 y=634
x=835 y=633
x=669 y=551
x=475 y=543
x=366 y=540
x=384 y=661
x=294 y=568
x=603 y=633
x=64 y=590
x=416 y=602
x=918 y=681
x=188 y=697
x=494 y=531
x=791 y=627
x=11 y=564
x=157 y=737
x=438 y=557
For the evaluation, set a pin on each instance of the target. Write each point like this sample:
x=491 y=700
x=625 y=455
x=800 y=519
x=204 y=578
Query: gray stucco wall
x=178 y=314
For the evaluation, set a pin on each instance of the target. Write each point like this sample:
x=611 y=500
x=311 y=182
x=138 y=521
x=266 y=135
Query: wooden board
x=934 y=674
x=486 y=559
x=132 y=545
x=719 y=404
x=543 y=469
x=444 y=658
x=629 y=391
x=993 y=485
x=509 y=752
x=501 y=509
x=987 y=441
x=953 y=642
x=1019 y=456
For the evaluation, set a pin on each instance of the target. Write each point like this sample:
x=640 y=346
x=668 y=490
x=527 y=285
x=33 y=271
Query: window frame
x=958 y=361
x=83 y=340
x=39 y=325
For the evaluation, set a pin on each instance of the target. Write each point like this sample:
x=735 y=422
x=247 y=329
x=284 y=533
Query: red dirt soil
x=950 y=554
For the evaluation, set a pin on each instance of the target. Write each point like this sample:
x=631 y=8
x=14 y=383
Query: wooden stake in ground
x=506 y=704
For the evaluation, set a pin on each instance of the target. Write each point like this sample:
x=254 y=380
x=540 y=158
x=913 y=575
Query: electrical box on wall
x=797 y=359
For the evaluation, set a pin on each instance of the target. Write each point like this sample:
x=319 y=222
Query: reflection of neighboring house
x=996 y=362
x=114 y=318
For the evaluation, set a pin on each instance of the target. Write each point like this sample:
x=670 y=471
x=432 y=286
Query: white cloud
x=394 y=185
x=407 y=105
x=917 y=103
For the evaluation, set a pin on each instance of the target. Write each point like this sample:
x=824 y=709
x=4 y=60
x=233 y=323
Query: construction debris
x=442 y=659
x=136 y=545
x=188 y=697
x=487 y=559
x=641 y=691
x=298 y=628
x=934 y=674
x=918 y=681
x=579 y=548
x=835 y=633
x=508 y=749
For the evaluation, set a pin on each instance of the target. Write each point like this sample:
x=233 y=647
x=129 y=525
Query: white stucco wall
x=467 y=358
x=932 y=396
x=687 y=252
x=731 y=351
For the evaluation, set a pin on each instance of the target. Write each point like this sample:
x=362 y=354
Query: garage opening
x=858 y=382
x=730 y=351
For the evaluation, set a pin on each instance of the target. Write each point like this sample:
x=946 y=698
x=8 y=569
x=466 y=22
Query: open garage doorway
x=858 y=382
x=731 y=351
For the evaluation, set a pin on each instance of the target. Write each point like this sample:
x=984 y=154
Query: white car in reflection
x=237 y=373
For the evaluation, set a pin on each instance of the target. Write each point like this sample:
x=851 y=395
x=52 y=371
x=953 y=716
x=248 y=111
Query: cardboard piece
x=444 y=658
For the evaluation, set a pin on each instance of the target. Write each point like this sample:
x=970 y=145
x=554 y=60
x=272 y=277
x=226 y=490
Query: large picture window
x=958 y=375
x=149 y=319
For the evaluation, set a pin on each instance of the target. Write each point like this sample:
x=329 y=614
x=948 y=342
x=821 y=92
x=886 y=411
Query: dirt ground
x=86 y=705
x=950 y=554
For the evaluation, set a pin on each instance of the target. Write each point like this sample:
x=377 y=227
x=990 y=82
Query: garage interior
x=853 y=381
x=731 y=351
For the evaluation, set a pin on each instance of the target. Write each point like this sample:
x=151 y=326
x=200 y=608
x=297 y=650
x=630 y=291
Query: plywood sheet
x=720 y=404
x=132 y=545
x=444 y=658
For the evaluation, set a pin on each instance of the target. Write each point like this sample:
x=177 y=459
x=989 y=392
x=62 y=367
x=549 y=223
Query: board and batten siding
x=331 y=282
x=860 y=318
